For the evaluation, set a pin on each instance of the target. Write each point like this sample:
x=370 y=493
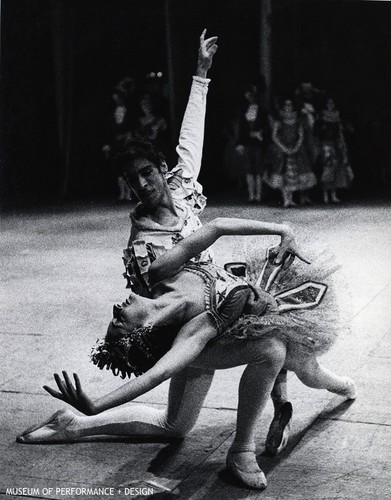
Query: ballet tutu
x=305 y=313
x=311 y=299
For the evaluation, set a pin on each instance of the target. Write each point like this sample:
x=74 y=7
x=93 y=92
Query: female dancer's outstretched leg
x=187 y=393
x=313 y=374
x=188 y=390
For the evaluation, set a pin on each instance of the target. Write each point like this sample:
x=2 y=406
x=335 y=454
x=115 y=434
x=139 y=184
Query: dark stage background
x=60 y=60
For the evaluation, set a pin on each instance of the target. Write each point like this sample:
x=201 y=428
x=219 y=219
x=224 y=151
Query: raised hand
x=74 y=396
x=206 y=52
x=288 y=246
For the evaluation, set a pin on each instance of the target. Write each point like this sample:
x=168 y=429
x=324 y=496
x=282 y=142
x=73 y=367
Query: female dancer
x=336 y=172
x=191 y=305
x=290 y=170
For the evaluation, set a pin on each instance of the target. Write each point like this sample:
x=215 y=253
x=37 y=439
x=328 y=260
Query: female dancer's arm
x=168 y=264
x=188 y=344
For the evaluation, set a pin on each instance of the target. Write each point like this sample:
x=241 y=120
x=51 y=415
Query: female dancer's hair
x=136 y=351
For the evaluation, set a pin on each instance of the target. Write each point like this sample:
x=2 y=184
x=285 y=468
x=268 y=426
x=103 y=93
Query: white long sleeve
x=191 y=136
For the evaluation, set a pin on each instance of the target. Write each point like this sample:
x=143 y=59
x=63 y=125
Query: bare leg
x=313 y=374
x=325 y=196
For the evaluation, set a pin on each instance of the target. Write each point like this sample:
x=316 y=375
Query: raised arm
x=188 y=344
x=191 y=136
x=169 y=263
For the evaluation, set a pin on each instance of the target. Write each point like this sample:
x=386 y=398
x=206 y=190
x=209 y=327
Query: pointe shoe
x=244 y=466
x=350 y=389
x=51 y=430
x=279 y=430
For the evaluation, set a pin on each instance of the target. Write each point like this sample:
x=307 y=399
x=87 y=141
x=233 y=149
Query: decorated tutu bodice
x=227 y=296
x=292 y=301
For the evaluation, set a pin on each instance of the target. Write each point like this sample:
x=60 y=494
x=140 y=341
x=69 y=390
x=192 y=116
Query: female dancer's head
x=136 y=338
x=144 y=168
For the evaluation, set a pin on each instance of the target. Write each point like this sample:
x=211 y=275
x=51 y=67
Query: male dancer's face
x=147 y=182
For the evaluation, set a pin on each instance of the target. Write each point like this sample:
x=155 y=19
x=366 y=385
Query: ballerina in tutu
x=290 y=168
x=288 y=319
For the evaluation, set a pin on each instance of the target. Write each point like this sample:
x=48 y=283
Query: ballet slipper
x=52 y=430
x=244 y=466
x=279 y=431
x=350 y=389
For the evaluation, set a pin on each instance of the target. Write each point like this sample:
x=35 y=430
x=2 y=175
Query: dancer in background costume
x=336 y=172
x=253 y=125
x=290 y=168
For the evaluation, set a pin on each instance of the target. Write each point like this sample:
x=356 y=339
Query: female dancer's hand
x=74 y=396
x=206 y=52
x=288 y=245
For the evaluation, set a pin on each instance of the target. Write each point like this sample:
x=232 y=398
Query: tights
x=264 y=357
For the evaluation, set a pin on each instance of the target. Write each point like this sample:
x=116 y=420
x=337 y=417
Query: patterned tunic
x=149 y=239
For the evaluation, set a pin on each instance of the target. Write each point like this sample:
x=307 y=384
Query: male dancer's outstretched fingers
x=207 y=50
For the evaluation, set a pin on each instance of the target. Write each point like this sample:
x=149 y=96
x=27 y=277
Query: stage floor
x=61 y=272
